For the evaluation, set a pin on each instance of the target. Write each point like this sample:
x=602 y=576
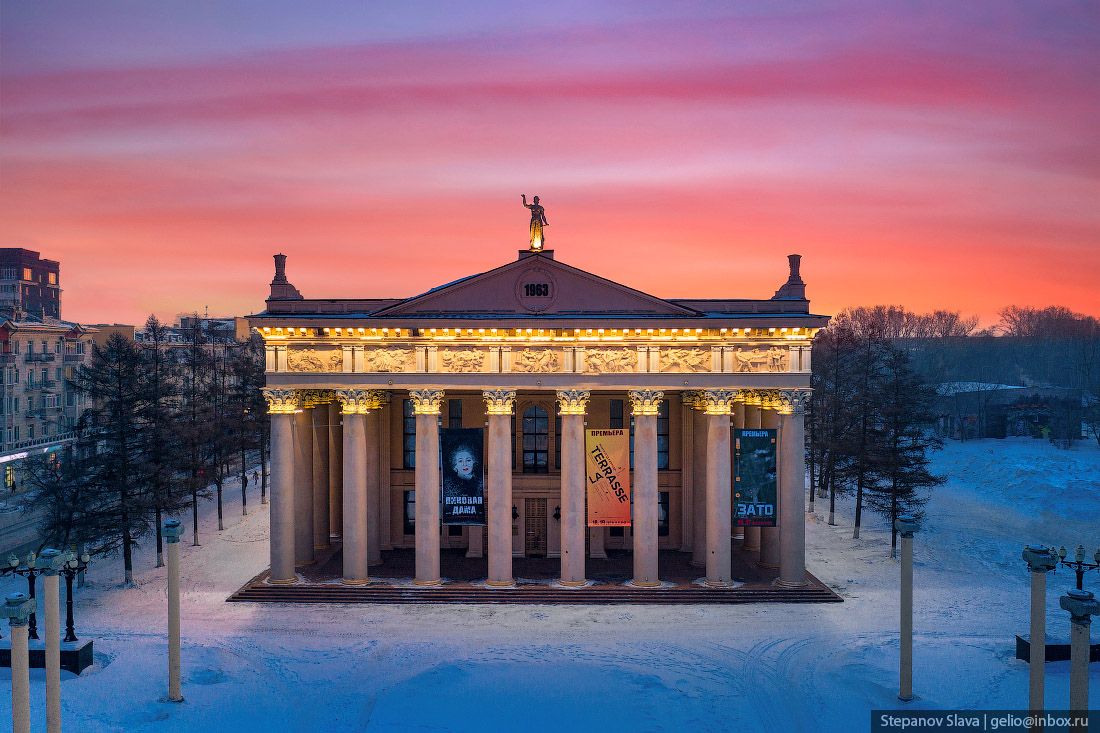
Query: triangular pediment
x=535 y=285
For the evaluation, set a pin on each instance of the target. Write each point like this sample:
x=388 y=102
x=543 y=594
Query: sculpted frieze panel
x=758 y=359
x=466 y=360
x=535 y=360
x=685 y=360
x=389 y=360
x=315 y=359
x=611 y=360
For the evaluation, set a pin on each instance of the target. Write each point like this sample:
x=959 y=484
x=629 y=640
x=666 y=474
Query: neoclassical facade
x=534 y=352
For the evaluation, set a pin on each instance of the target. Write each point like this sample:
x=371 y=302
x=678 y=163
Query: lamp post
x=17 y=609
x=1078 y=562
x=1081 y=605
x=72 y=566
x=906 y=526
x=51 y=562
x=30 y=572
x=1040 y=560
x=172 y=538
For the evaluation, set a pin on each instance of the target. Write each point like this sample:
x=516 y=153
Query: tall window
x=662 y=514
x=557 y=442
x=409 y=518
x=454 y=413
x=662 y=435
x=408 y=434
x=616 y=412
x=536 y=440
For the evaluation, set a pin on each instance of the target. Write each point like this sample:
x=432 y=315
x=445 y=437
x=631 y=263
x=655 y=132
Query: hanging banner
x=463 y=475
x=754 y=486
x=607 y=465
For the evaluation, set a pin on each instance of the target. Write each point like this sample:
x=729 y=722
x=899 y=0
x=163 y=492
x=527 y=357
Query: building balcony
x=73 y=357
x=7 y=358
x=44 y=444
x=40 y=357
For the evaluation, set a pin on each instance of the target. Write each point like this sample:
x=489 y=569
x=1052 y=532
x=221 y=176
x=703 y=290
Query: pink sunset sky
x=932 y=154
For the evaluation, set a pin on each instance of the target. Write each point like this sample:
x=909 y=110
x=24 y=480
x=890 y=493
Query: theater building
x=534 y=352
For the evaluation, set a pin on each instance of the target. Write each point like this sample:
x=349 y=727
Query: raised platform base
x=1055 y=652
x=536 y=582
x=76 y=656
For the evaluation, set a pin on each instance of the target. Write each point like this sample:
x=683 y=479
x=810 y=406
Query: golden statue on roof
x=538 y=221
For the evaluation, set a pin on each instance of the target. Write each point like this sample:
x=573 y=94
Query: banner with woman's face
x=463 y=476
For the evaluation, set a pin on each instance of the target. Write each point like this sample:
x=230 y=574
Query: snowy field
x=545 y=668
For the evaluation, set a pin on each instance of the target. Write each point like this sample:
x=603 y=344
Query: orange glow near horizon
x=908 y=158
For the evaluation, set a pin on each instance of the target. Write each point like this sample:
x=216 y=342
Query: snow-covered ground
x=539 y=668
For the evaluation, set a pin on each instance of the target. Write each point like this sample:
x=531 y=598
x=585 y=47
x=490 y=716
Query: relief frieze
x=388 y=360
x=467 y=360
x=315 y=359
x=685 y=360
x=611 y=360
x=535 y=360
x=773 y=359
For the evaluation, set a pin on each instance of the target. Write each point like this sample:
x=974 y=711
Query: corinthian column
x=718 y=402
x=645 y=403
x=321 y=474
x=355 y=404
x=303 y=485
x=499 y=404
x=571 y=403
x=698 y=480
x=792 y=487
x=426 y=404
x=282 y=403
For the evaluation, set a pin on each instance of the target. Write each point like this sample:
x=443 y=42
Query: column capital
x=769 y=399
x=751 y=397
x=719 y=401
x=280 y=401
x=794 y=401
x=360 y=401
x=693 y=398
x=572 y=401
x=645 y=401
x=426 y=401
x=313 y=397
x=499 y=401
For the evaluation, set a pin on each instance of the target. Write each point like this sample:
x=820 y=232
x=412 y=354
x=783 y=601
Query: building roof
x=536 y=288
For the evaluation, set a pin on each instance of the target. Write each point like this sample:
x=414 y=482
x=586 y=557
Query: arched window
x=536 y=440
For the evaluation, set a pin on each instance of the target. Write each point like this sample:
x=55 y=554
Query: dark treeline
x=878 y=372
x=162 y=424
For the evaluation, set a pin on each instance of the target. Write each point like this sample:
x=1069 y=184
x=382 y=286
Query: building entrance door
x=535 y=526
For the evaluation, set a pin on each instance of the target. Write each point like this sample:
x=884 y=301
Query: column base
x=907 y=698
x=788 y=584
x=572 y=583
x=698 y=563
x=437 y=581
x=321 y=547
x=332 y=537
x=374 y=563
x=750 y=548
x=718 y=583
x=501 y=583
x=644 y=583
x=601 y=556
x=770 y=565
x=345 y=581
x=288 y=581
x=303 y=563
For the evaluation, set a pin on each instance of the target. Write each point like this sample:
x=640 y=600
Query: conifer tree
x=901 y=455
